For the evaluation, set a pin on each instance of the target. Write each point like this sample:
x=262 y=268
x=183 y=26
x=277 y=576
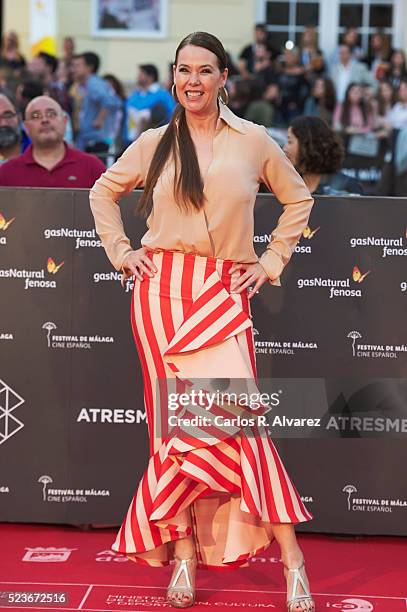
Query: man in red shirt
x=48 y=161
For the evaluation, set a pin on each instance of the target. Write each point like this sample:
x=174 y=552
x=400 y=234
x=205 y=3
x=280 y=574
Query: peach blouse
x=244 y=156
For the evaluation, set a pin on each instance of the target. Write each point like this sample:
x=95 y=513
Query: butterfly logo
x=5 y=224
x=52 y=267
x=357 y=275
x=309 y=233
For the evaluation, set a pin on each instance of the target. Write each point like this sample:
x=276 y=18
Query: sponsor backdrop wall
x=331 y=342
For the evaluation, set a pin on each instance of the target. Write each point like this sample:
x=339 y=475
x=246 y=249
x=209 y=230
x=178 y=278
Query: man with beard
x=10 y=132
x=49 y=161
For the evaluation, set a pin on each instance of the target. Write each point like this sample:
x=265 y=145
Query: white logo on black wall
x=113 y=276
x=282 y=347
x=67 y=495
x=35 y=279
x=308 y=234
x=10 y=400
x=6 y=336
x=356 y=503
x=390 y=247
x=111 y=415
x=60 y=341
x=374 y=351
x=83 y=238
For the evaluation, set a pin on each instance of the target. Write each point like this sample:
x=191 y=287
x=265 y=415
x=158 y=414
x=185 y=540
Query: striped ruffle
x=188 y=327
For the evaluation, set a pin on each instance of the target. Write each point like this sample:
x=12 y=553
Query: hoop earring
x=223 y=95
x=174 y=92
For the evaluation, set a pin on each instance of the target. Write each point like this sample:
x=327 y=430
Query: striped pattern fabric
x=223 y=485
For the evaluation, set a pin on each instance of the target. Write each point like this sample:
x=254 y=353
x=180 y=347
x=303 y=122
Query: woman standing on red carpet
x=209 y=501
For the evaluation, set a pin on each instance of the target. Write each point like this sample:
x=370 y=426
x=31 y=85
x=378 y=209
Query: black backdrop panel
x=73 y=436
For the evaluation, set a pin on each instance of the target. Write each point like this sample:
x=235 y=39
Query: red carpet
x=359 y=574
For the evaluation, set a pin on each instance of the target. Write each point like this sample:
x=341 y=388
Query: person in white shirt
x=347 y=70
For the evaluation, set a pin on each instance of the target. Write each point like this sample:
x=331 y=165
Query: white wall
x=231 y=20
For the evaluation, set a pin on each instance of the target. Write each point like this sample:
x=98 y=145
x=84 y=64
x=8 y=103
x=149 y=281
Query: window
x=286 y=19
x=367 y=16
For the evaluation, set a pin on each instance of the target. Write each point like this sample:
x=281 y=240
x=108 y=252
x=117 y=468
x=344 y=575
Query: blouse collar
x=230 y=118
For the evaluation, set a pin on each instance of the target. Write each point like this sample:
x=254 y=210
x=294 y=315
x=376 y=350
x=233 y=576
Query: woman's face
x=355 y=94
x=386 y=91
x=398 y=59
x=319 y=88
x=198 y=79
x=292 y=147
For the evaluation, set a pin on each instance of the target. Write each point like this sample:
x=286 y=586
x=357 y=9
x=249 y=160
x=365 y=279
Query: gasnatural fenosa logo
x=338 y=287
x=391 y=247
x=35 y=278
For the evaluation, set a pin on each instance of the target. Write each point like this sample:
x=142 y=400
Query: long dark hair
x=329 y=97
x=345 y=114
x=176 y=140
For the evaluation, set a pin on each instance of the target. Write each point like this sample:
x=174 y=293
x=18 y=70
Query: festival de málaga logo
x=281 y=347
x=338 y=287
x=4 y=225
x=390 y=247
x=67 y=494
x=361 y=503
x=372 y=350
x=62 y=341
x=35 y=278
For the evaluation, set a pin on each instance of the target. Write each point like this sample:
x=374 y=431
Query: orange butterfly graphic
x=308 y=233
x=52 y=267
x=357 y=275
x=5 y=224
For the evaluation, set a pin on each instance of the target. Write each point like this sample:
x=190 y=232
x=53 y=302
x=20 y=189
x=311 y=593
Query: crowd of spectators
x=360 y=97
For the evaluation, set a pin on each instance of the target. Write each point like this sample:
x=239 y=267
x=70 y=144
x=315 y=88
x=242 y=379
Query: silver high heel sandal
x=306 y=596
x=188 y=589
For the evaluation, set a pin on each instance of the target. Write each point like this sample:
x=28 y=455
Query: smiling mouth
x=193 y=95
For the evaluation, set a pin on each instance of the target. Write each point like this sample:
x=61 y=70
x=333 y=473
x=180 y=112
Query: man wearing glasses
x=10 y=131
x=49 y=161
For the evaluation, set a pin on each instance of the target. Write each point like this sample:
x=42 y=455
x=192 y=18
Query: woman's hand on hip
x=254 y=276
x=137 y=263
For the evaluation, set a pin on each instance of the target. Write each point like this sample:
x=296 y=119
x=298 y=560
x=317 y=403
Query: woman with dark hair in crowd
x=397 y=68
x=317 y=153
x=212 y=499
x=120 y=119
x=354 y=115
x=321 y=102
x=294 y=87
x=386 y=99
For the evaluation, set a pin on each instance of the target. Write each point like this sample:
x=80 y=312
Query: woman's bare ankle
x=184 y=548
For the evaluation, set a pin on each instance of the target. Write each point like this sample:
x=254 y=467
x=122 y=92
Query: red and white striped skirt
x=227 y=492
